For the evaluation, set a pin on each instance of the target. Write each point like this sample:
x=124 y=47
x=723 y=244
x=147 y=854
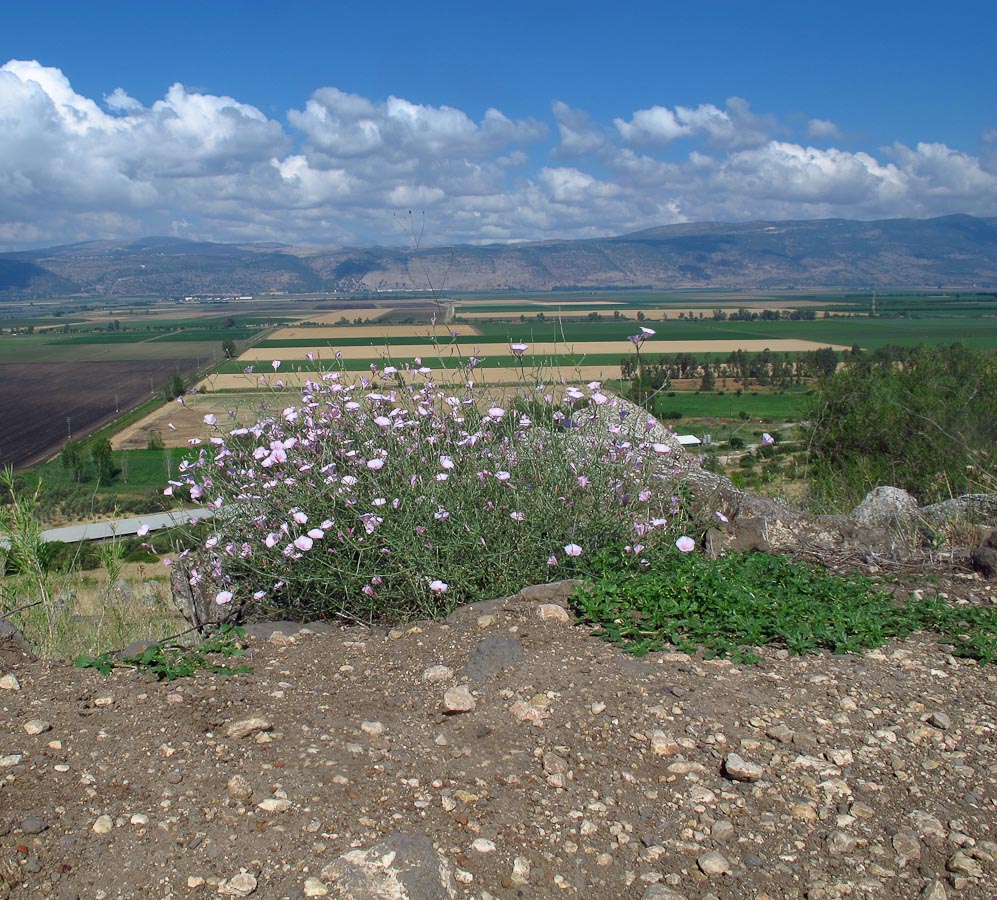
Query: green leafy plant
x=169 y=660
x=732 y=605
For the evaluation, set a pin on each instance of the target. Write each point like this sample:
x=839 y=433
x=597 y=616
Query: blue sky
x=319 y=123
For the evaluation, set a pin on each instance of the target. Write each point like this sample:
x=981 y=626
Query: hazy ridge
x=950 y=251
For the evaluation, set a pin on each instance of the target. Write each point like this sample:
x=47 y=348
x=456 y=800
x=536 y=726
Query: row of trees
x=77 y=458
x=764 y=368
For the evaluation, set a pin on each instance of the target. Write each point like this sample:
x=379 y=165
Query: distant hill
x=948 y=251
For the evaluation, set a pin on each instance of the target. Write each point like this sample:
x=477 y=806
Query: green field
x=781 y=406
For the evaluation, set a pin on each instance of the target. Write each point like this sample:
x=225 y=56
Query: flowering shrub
x=394 y=497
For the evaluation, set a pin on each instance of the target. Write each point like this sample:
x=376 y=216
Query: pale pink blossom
x=572 y=550
x=551 y=560
x=299 y=517
x=767 y=439
x=143 y=530
x=685 y=544
x=303 y=542
x=376 y=463
x=209 y=419
x=223 y=597
x=438 y=587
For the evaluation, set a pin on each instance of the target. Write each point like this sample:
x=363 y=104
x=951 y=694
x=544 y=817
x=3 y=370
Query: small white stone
x=551 y=612
x=273 y=805
x=462 y=876
x=246 y=727
x=37 y=726
x=437 y=674
x=13 y=759
x=739 y=769
x=663 y=744
x=374 y=729
x=713 y=863
x=104 y=701
x=9 y=683
x=315 y=887
x=139 y=819
x=195 y=881
x=483 y=845
x=520 y=871
x=241 y=885
x=459 y=700
x=103 y=824
x=239 y=788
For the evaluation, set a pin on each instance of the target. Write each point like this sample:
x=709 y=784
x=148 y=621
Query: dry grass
x=93 y=612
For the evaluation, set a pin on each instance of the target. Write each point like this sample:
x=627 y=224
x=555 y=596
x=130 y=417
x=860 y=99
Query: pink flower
x=551 y=560
x=382 y=421
x=446 y=462
x=767 y=439
x=685 y=544
x=583 y=481
x=299 y=517
x=438 y=587
x=275 y=364
x=316 y=534
x=519 y=349
x=503 y=476
x=496 y=412
x=223 y=597
x=271 y=539
x=721 y=517
x=516 y=516
x=303 y=542
x=572 y=550
x=376 y=463
x=143 y=530
x=647 y=331
x=209 y=419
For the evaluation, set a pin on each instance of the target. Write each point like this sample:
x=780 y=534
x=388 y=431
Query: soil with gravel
x=539 y=762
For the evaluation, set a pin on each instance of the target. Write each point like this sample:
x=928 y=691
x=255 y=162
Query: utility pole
x=69 y=427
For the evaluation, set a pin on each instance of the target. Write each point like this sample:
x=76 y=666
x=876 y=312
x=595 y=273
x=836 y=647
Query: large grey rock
x=399 y=867
x=888 y=508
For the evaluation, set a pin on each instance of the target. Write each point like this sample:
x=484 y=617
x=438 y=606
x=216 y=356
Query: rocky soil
x=503 y=754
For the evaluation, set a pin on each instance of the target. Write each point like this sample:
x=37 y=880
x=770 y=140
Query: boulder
x=984 y=556
x=401 y=866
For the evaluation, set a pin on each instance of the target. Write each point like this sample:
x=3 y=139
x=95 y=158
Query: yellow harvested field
x=375 y=331
x=366 y=314
x=428 y=352
x=483 y=375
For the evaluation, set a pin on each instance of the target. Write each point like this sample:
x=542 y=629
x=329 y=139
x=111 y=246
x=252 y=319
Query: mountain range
x=951 y=251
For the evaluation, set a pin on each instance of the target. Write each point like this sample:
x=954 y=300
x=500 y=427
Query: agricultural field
x=85 y=358
x=41 y=404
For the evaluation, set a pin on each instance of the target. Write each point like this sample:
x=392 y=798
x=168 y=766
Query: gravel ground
x=538 y=760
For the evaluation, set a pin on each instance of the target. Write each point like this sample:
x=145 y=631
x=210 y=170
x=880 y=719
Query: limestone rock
x=739 y=769
x=401 y=867
x=246 y=727
x=459 y=700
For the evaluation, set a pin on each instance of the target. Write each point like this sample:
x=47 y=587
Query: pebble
x=663 y=744
x=521 y=868
x=961 y=863
x=374 y=729
x=486 y=621
x=7 y=762
x=103 y=824
x=274 y=805
x=459 y=700
x=9 y=683
x=239 y=788
x=840 y=842
x=661 y=892
x=140 y=819
x=713 y=863
x=315 y=887
x=940 y=720
x=437 y=674
x=934 y=890
x=246 y=727
x=551 y=612
x=241 y=885
x=739 y=769
x=483 y=845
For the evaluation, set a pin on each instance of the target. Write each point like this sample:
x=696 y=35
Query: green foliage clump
x=169 y=660
x=734 y=604
x=923 y=419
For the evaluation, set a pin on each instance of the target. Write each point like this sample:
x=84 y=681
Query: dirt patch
x=575 y=771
